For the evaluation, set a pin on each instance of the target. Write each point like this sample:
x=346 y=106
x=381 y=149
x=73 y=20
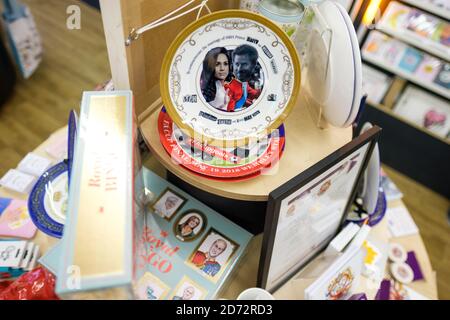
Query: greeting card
x=425 y=110
x=443 y=77
x=411 y=60
x=428 y=68
x=15 y=220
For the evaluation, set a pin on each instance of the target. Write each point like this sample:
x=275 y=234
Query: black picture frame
x=278 y=195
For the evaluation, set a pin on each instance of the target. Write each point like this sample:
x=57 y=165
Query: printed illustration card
x=340 y=280
x=12 y=253
x=187 y=251
x=15 y=220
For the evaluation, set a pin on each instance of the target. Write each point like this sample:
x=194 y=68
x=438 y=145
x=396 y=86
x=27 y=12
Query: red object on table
x=38 y=284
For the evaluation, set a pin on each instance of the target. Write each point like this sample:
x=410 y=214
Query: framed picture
x=168 y=204
x=150 y=287
x=189 y=225
x=304 y=214
x=187 y=289
x=213 y=255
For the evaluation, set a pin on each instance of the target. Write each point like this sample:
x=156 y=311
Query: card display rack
x=406 y=146
x=421 y=43
x=428 y=5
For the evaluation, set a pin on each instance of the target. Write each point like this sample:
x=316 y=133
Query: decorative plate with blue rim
x=47 y=203
x=72 y=134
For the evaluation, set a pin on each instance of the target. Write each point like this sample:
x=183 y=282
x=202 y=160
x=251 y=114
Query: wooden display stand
x=137 y=66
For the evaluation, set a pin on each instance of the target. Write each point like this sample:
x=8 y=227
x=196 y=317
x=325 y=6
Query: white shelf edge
x=428 y=85
x=424 y=44
x=429 y=8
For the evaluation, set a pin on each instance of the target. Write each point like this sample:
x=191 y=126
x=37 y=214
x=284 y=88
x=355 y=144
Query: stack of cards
x=25 y=176
x=17 y=257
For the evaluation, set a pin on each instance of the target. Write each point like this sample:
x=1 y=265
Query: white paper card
x=34 y=164
x=400 y=222
x=57 y=147
x=18 y=181
x=11 y=253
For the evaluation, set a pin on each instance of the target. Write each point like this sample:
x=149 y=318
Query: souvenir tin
x=287 y=14
x=230 y=76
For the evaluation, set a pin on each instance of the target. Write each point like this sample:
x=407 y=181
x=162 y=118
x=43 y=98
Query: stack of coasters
x=17 y=257
x=404 y=268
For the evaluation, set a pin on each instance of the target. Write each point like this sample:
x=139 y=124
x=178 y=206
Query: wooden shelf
x=421 y=4
x=424 y=44
x=408 y=76
x=306 y=144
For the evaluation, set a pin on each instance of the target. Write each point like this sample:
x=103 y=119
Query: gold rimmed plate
x=229 y=77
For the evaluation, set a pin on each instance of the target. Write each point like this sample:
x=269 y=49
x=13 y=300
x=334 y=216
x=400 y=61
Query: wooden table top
x=245 y=274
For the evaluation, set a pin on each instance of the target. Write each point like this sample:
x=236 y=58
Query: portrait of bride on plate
x=228 y=79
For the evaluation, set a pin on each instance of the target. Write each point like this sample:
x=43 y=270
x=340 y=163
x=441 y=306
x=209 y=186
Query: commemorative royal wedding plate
x=49 y=197
x=239 y=162
x=230 y=76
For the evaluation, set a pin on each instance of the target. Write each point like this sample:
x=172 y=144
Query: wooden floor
x=76 y=60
